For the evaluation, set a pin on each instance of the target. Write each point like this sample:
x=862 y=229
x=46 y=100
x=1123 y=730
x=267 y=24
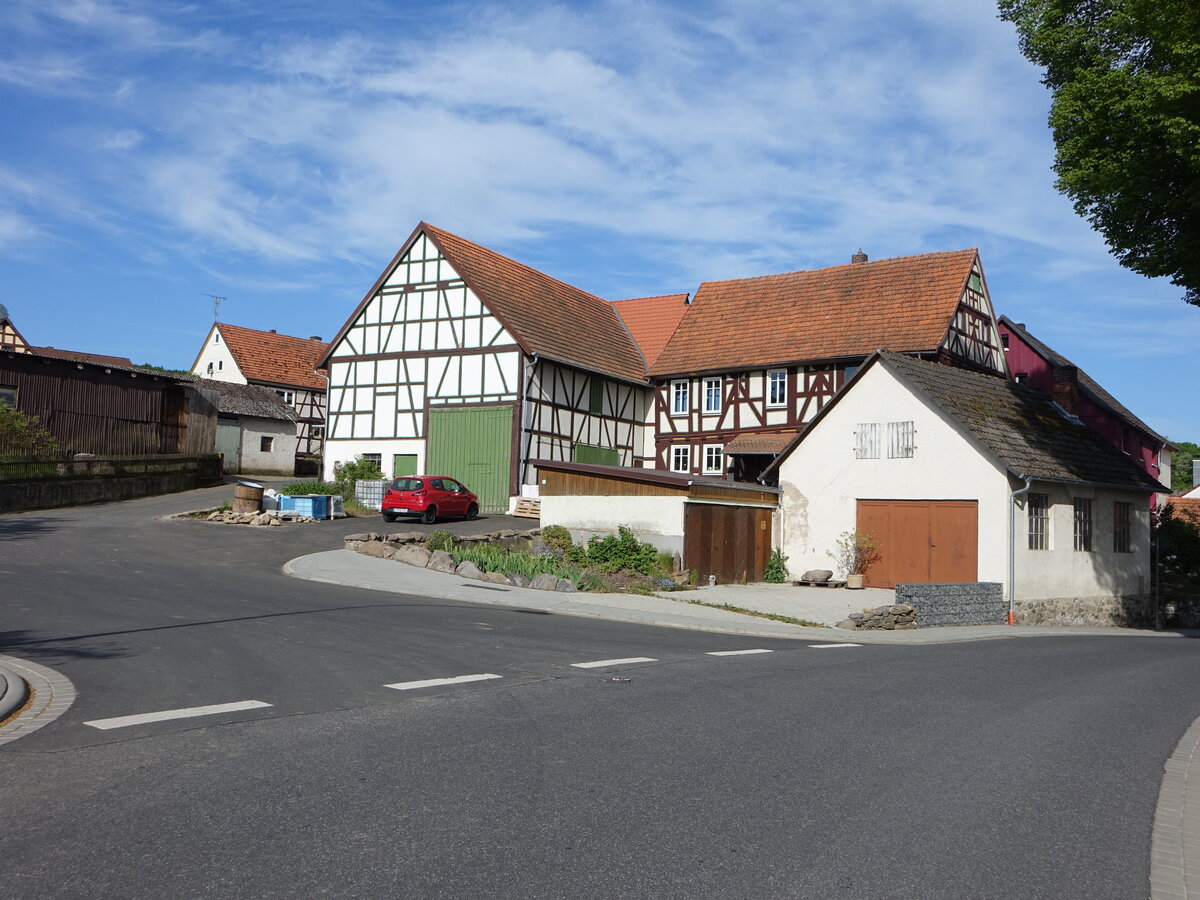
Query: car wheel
x=389 y=517
x=472 y=512
x=429 y=516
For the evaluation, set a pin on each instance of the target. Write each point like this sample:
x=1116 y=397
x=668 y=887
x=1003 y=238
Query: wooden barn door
x=229 y=442
x=922 y=541
x=475 y=446
x=731 y=542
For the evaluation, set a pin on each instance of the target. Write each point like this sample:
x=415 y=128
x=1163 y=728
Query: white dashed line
x=166 y=714
x=435 y=682
x=827 y=646
x=736 y=652
x=612 y=662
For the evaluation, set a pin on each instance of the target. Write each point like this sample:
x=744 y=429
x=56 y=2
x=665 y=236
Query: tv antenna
x=217 y=301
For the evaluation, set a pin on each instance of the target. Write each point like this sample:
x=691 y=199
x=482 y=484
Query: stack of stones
x=267 y=517
x=406 y=547
x=885 y=618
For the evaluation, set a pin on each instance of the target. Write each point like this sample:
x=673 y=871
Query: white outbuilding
x=963 y=477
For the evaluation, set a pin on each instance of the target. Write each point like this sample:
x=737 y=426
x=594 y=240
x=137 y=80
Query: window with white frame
x=679 y=398
x=1037 y=510
x=714 y=459
x=1083 y=524
x=210 y=369
x=216 y=337
x=681 y=459
x=286 y=395
x=220 y=364
x=777 y=387
x=712 y=395
x=900 y=440
x=866 y=441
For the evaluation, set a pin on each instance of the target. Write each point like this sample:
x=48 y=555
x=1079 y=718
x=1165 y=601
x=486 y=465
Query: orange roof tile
x=546 y=316
x=902 y=304
x=652 y=321
x=758 y=442
x=1186 y=508
x=277 y=358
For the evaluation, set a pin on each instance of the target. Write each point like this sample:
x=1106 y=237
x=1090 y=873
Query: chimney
x=315 y=337
x=271 y=331
x=858 y=257
x=1066 y=392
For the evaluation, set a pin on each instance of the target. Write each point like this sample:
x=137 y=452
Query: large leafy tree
x=1125 y=75
x=1181 y=465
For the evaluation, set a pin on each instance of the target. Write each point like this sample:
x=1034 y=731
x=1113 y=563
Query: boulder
x=544 y=582
x=818 y=575
x=495 y=577
x=847 y=623
x=565 y=586
x=357 y=537
x=213 y=516
x=275 y=521
x=411 y=554
x=441 y=561
x=378 y=549
x=407 y=537
x=467 y=569
x=516 y=579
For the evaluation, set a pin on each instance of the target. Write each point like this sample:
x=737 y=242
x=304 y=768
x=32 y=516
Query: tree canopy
x=1181 y=464
x=1125 y=77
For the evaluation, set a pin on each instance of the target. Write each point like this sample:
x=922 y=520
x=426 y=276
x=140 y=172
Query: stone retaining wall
x=962 y=603
x=53 y=493
x=1126 y=612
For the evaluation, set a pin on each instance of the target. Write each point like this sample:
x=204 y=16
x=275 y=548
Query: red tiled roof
x=277 y=358
x=652 y=321
x=753 y=442
x=1186 y=508
x=902 y=304
x=80 y=356
x=546 y=316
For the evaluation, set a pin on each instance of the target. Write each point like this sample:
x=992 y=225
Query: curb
x=14 y=691
x=1175 y=838
x=52 y=693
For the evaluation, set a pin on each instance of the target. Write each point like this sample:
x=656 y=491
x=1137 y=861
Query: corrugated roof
x=277 y=358
x=904 y=304
x=652 y=321
x=1086 y=382
x=546 y=316
x=248 y=400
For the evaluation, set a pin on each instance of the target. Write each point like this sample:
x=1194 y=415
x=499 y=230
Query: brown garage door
x=922 y=541
x=731 y=542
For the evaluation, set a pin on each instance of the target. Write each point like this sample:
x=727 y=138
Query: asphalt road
x=1015 y=768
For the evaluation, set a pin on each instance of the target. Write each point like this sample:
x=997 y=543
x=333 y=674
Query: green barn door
x=474 y=446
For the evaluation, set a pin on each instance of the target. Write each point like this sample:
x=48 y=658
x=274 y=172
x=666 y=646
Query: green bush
x=296 y=488
x=440 y=540
x=24 y=437
x=491 y=558
x=359 y=469
x=622 y=551
x=777 y=570
x=556 y=537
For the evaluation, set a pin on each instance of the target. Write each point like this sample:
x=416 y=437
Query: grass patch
x=774 y=617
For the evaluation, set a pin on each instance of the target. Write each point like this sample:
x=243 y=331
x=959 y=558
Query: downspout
x=1012 y=546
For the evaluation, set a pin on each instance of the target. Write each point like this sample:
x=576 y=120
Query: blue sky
x=277 y=154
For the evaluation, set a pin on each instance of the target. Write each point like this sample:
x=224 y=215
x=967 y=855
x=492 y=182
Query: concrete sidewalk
x=345 y=567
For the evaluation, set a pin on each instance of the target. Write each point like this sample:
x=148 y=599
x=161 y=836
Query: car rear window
x=406 y=484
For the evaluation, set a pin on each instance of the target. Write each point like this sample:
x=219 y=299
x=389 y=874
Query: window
x=1083 y=524
x=216 y=337
x=265 y=444
x=849 y=373
x=596 y=401
x=777 y=387
x=317 y=432
x=681 y=459
x=713 y=459
x=286 y=395
x=1037 y=509
x=8 y=395
x=220 y=364
x=1021 y=378
x=866 y=441
x=1004 y=341
x=376 y=458
x=1122 y=517
x=712 y=395
x=679 y=398
x=209 y=369
x=900 y=440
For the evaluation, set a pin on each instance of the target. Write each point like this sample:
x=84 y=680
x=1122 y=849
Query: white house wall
x=216 y=354
x=655 y=520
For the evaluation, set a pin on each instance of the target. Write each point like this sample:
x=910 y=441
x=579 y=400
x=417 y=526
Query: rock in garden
x=441 y=561
x=411 y=554
x=565 y=586
x=495 y=577
x=467 y=569
x=544 y=582
x=847 y=623
x=817 y=575
x=213 y=516
x=357 y=537
x=275 y=521
x=377 y=549
x=516 y=579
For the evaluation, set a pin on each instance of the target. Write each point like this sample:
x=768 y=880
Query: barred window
x=1122 y=518
x=866 y=441
x=1037 y=509
x=1083 y=524
x=681 y=459
x=900 y=440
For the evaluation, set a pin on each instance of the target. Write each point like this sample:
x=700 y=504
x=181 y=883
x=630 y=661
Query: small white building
x=256 y=429
x=965 y=477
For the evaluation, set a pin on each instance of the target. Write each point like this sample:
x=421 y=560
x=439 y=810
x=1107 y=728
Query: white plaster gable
x=216 y=353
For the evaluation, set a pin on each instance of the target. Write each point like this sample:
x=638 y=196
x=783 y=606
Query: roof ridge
x=871 y=263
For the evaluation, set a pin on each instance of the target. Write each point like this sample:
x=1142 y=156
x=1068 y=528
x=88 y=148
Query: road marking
x=612 y=662
x=164 y=715
x=827 y=646
x=435 y=682
x=736 y=652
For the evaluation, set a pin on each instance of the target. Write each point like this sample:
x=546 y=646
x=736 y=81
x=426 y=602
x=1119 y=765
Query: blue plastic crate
x=315 y=505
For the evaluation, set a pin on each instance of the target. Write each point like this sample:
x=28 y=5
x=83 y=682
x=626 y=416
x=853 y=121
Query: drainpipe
x=1012 y=546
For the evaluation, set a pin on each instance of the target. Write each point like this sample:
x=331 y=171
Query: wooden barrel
x=247 y=497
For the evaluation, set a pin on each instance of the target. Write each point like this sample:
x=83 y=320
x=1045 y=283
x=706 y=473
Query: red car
x=428 y=496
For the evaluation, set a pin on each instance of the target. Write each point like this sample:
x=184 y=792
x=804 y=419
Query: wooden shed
x=721 y=528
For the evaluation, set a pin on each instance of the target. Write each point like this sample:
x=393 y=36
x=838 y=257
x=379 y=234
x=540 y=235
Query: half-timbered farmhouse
x=755 y=359
x=285 y=364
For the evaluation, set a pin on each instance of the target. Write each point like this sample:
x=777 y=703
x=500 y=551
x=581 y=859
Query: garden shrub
x=297 y=488
x=358 y=469
x=622 y=551
x=440 y=540
x=556 y=537
x=777 y=570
